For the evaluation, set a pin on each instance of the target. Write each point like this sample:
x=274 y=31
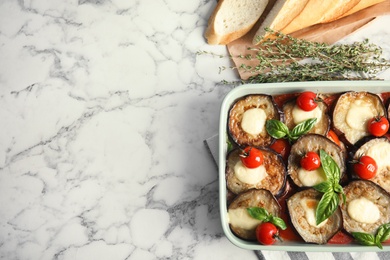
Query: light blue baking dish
x=274 y=89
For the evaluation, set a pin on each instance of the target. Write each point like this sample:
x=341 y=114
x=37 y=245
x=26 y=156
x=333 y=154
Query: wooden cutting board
x=327 y=33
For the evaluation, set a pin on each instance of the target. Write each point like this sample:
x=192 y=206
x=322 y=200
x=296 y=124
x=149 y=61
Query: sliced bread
x=232 y=19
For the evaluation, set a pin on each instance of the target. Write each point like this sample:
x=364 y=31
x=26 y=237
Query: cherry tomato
x=282 y=147
x=365 y=167
x=378 y=126
x=310 y=161
x=333 y=136
x=266 y=233
x=251 y=157
x=340 y=238
x=307 y=101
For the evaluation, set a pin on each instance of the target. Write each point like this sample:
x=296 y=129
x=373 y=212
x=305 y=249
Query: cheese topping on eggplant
x=300 y=115
x=240 y=218
x=253 y=121
x=310 y=205
x=380 y=152
x=248 y=175
x=363 y=210
x=311 y=178
x=358 y=115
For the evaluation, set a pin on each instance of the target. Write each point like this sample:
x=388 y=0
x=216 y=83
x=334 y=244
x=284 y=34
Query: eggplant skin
x=274 y=181
x=374 y=193
x=343 y=105
x=311 y=234
x=313 y=143
x=379 y=150
x=254 y=198
x=321 y=127
x=238 y=135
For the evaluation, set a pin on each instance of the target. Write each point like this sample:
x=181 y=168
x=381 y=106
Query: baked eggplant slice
x=366 y=208
x=313 y=143
x=271 y=175
x=241 y=223
x=302 y=207
x=352 y=112
x=247 y=119
x=293 y=115
x=379 y=150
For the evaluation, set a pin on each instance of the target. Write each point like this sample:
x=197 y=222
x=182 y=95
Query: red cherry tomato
x=266 y=233
x=310 y=161
x=251 y=157
x=282 y=147
x=307 y=101
x=365 y=167
x=378 y=126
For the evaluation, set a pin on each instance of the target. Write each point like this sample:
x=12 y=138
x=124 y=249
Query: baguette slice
x=319 y=11
x=232 y=19
x=281 y=14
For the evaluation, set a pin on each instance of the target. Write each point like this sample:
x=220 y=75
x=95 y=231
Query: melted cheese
x=358 y=115
x=240 y=218
x=249 y=176
x=253 y=121
x=380 y=152
x=300 y=115
x=311 y=178
x=310 y=206
x=363 y=210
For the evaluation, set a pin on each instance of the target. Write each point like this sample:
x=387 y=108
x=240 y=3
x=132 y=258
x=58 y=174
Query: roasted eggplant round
x=313 y=143
x=293 y=115
x=366 y=208
x=247 y=119
x=379 y=150
x=352 y=112
x=271 y=175
x=241 y=223
x=302 y=207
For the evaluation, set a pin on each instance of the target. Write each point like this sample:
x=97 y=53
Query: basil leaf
x=364 y=238
x=383 y=233
x=302 y=128
x=327 y=206
x=324 y=187
x=330 y=167
x=259 y=213
x=276 y=129
x=278 y=222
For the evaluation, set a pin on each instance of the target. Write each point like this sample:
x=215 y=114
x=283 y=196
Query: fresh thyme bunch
x=285 y=58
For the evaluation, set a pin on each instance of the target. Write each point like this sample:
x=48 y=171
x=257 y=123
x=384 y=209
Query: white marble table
x=104 y=106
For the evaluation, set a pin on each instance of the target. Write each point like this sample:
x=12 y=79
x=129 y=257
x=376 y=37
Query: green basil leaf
x=330 y=167
x=364 y=238
x=278 y=222
x=303 y=127
x=259 y=213
x=327 y=206
x=324 y=187
x=383 y=233
x=276 y=129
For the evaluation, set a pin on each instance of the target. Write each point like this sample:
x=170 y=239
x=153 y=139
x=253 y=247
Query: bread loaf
x=232 y=19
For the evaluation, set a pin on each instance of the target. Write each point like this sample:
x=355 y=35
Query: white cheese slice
x=310 y=205
x=240 y=218
x=249 y=175
x=358 y=115
x=311 y=178
x=253 y=121
x=363 y=210
x=380 y=152
x=300 y=115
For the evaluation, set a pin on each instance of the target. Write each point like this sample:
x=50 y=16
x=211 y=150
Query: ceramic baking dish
x=274 y=89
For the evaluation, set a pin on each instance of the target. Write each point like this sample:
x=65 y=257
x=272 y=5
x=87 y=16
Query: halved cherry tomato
x=378 y=126
x=267 y=233
x=282 y=147
x=307 y=101
x=365 y=167
x=310 y=161
x=333 y=136
x=251 y=157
